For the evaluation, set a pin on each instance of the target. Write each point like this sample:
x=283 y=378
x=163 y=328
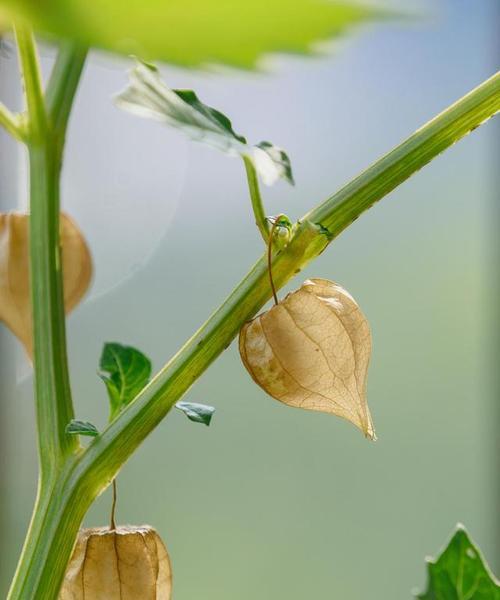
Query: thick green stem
x=468 y=113
x=59 y=509
x=256 y=198
x=89 y=473
x=47 y=133
x=52 y=387
x=54 y=408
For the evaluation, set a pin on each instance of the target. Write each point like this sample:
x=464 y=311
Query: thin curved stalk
x=256 y=199
x=91 y=472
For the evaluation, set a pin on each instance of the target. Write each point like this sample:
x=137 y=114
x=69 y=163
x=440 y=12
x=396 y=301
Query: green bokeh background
x=272 y=502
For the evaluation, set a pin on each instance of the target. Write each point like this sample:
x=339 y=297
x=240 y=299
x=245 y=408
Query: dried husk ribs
x=311 y=351
x=126 y=563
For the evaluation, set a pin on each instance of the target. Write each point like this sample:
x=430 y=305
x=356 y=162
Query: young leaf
x=193 y=33
x=311 y=351
x=199 y=413
x=81 y=428
x=460 y=573
x=125 y=371
x=148 y=96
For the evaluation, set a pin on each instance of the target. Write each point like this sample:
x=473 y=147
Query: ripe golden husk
x=15 y=298
x=126 y=563
x=312 y=351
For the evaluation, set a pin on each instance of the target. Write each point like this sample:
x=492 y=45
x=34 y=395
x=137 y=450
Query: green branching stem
x=54 y=408
x=108 y=451
x=315 y=231
x=52 y=386
x=256 y=199
x=87 y=474
x=52 y=391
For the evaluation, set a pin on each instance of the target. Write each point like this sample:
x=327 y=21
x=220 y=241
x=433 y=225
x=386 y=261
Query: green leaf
x=148 y=96
x=194 y=32
x=81 y=428
x=125 y=371
x=460 y=573
x=200 y=413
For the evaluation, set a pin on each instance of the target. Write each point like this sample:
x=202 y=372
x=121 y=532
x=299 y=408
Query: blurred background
x=272 y=502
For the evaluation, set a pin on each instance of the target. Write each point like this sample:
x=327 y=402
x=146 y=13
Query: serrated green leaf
x=125 y=371
x=148 y=96
x=200 y=413
x=75 y=427
x=460 y=573
x=194 y=32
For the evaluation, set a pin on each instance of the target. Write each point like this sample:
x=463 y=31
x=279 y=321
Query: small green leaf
x=200 y=413
x=125 y=371
x=460 y=573
x=81 y=428
x=148 y=96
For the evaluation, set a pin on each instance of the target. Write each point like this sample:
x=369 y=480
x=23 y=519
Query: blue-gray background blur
x=271 y=502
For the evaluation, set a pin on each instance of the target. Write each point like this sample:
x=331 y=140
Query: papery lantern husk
x=15 y=299
x=126 y=563
x=311 y=351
